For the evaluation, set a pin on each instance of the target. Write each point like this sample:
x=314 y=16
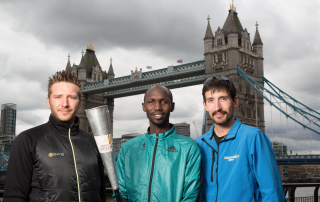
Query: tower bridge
x=223 y=51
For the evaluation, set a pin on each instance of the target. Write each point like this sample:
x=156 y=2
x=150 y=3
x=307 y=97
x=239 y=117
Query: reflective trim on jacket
x=244 y=163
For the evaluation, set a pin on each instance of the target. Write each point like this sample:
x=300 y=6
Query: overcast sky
x=36 y=37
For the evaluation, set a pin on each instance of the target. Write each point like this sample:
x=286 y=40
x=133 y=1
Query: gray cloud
x=40 y=34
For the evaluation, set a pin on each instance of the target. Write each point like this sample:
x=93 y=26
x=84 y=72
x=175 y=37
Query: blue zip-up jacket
x=241 y=168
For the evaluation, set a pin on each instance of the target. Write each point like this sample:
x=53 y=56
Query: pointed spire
x=82 y=65
x=232 y=27
x=90 y=47
x=232 y=7
x=209 y=34
x=111 y=72
x=68 y=68
x=257 y=39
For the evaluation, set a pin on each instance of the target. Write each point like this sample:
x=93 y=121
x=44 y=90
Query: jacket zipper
x=217 y=173
x=213 y=150
x=152 y=168
x=75 y=164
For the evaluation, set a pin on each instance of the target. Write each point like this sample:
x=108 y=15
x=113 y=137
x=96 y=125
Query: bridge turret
x=82 y=71
x=111 y=72
x=232 y=31
x=208 y=38
x=68 y=67
x=257 y=43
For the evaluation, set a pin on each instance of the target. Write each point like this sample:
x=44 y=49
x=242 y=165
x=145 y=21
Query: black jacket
x=41 y=165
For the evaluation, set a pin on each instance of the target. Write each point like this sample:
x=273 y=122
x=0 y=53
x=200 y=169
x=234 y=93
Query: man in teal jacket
x=160 y=165
x=238 y=162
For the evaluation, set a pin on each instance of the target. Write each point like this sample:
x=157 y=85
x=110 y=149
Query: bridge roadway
x=138 y=82
x=298 y=159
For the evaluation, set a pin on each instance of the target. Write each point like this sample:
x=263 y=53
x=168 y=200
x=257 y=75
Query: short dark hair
x=165 y=88
x=218 y=85
x=63 y=76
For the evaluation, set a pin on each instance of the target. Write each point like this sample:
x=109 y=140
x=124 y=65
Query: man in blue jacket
x=238 y=162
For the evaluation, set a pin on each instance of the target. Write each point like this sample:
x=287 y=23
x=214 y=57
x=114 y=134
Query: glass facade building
x=8 y=118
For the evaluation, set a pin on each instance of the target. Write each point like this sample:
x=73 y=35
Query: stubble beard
x=69 y=120
x=223 y=120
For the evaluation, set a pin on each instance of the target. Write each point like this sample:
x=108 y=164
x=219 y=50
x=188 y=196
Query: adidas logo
x=143 y=146
x=171 y=149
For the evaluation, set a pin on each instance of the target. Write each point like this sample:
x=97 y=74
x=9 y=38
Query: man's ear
x=48 y=103
x=204 y=105
x=172 y=106
x=80 y=102
x=143 y=107
x=235 y=102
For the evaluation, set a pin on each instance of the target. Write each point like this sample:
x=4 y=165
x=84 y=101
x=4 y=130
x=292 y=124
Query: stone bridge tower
x=229 y=47
x=89 y=70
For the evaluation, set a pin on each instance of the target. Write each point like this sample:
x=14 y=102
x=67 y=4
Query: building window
x=220 y=58
x=249 y=112
x=247 y=88
x=219 y=42
x=225 y=57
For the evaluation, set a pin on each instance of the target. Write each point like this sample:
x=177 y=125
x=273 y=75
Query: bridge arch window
x=249 y=113
x=220 y=58
x=219 y=41
x=247 y=88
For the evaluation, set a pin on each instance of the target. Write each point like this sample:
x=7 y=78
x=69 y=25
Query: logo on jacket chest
x=171 y=149
x=55 y=154
x=231 y=158
x=143 y=146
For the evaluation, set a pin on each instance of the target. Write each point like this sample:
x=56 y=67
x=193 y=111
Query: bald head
x=158 y=87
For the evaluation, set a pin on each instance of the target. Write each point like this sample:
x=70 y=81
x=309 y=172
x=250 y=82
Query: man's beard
x=223 y=120
x=70 y=120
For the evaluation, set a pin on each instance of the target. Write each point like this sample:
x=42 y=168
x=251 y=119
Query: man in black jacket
x=56 y=161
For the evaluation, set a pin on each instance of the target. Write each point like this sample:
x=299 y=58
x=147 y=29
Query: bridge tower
x=90 y=71
x=229 y=47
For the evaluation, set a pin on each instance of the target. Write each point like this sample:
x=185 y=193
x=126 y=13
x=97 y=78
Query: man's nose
x=158 y=106
x=216 y=106
x=65 y=102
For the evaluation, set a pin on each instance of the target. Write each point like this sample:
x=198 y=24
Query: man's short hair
x=167 y=89
x=218 y=84
x=63 y=76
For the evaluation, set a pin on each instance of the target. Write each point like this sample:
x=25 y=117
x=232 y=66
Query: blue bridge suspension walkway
x=138 y=82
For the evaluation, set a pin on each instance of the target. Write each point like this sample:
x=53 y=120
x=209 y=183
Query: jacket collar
x=231 y=134
x=162 y=136
x=63 y=128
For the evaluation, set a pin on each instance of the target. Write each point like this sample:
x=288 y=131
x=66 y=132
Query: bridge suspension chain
x=299 y=111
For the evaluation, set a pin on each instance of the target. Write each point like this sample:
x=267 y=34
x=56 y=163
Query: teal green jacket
x=159 y=167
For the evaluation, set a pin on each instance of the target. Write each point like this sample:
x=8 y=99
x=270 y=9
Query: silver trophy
x=99 y=120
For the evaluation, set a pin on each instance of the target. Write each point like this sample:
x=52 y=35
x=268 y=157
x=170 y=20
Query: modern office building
x=127 y=137
x=182 y=128
x=279 y=148
x=116 y=146
x=8 y=118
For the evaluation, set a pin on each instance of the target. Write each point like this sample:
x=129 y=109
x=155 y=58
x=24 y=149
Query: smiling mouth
x=158 y=116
